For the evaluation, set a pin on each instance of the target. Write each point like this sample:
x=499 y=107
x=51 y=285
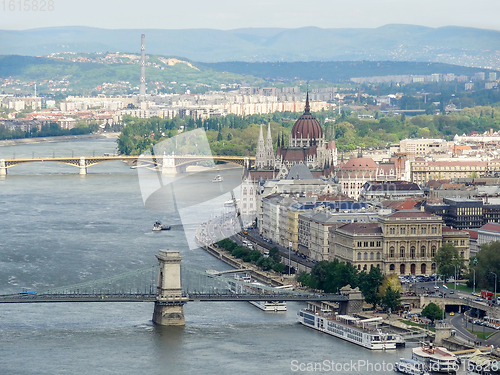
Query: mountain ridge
x=448 y=44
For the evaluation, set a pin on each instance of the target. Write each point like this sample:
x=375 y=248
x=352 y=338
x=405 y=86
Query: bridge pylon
x=3 y=168
x=169 y=302
x=168 y=164
x=83 y=166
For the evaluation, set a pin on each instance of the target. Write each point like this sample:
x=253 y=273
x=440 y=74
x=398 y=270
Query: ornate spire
x=308 y=109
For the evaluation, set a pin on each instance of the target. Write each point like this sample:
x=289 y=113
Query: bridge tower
x=3 y=168
x=83 y=166
x=169 y=303
x=168 y=164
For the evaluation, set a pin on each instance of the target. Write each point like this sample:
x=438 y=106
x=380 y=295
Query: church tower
x=269 y=148
x=260 y=157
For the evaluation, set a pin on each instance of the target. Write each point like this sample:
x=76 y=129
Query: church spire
x=260 y=157
x=307 y=109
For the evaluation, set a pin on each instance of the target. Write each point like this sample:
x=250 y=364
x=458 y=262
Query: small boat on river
x=158 y=226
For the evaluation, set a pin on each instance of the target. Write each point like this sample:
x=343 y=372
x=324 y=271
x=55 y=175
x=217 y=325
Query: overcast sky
x=233 y=14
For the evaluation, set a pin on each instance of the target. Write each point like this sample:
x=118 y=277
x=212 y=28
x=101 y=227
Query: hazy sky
x=232 y=14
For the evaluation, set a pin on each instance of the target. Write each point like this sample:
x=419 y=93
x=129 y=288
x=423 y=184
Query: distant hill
x=336 y=71
x=455 y=45
x=111 y=73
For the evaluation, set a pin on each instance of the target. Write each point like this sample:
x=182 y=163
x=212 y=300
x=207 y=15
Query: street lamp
x=474 y=283
x=495 y=285
x=455 y=276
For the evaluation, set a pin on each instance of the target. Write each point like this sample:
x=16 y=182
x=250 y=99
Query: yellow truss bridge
x=166 y=163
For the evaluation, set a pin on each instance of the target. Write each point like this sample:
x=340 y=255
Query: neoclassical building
x=401 y=243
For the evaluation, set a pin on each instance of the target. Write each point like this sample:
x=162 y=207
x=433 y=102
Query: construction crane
x=238 y=213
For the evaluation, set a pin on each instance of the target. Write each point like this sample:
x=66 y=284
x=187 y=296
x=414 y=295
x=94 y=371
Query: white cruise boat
x=218 y=178
x=270 y=306
x=364 y=333
x=437 y=358
x=410 y=367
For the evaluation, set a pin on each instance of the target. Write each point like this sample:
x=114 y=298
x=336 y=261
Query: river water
x=58 y=228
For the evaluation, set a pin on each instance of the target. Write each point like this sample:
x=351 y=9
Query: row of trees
x=332 y=276
x=271 y=262
x=236 y=135
x=48 y=130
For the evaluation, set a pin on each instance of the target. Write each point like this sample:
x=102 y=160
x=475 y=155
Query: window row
x=413 y=230
x=369 y=244
x=365 y=255
x=413 y=252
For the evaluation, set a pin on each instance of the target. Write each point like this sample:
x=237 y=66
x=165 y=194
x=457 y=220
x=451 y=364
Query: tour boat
x=365 y=333
x=410 y=367
x=158 y=226
x=217 y=178
x=437 y=358
x=269 y=306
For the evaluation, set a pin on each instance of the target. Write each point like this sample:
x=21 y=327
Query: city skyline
x=228 y=15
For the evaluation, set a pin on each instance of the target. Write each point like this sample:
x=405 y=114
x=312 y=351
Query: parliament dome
x=307 y=126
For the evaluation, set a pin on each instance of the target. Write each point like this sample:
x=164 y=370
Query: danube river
x=59 y=228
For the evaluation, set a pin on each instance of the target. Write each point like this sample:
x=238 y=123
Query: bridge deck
x=196 y=297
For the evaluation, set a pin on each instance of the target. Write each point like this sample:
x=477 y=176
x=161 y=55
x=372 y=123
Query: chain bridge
x=169 y=285
x=166 y=164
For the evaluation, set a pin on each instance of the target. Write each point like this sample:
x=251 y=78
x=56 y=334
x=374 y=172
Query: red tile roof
x=472 y=234
x=492 y=227
x=361 y=228
x=410 y=213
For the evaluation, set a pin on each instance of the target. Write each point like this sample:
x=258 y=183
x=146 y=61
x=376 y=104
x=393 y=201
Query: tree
x=447 y=260
x=274 y=254
x=487 y=262
x=391 y=299
x=432 y=311
x=369 y=284
x=219 y=136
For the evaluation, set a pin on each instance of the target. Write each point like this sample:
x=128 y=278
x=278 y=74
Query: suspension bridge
x=169 y=285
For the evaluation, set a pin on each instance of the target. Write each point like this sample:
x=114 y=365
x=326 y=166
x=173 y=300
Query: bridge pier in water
x=169 y=310
x=168 y=164
x=83 y=166
x=3 y=168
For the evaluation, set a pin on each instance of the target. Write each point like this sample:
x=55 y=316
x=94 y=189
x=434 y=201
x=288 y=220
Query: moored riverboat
x=362 y=332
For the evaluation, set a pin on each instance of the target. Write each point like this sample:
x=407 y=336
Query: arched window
x=359 y=256
x=244 y=191
x=402 y=252
x=402 y=269
x=412 y=252
x=422 y=251
x=365 y=256
x=433 y=251
x=378 y=255
x=423 y=269
x=372 y=256
x=391 y=252
x=392 y=267
x=433 y=266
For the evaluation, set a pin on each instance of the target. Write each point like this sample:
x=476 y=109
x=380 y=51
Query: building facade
x=400 y=243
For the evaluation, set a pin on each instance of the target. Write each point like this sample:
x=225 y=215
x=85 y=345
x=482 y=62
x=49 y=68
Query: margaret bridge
x=169 y=164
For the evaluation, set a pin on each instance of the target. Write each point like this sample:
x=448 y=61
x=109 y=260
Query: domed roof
x=307 y=126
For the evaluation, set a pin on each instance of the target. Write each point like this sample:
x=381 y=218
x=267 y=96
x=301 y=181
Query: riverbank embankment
x=63 y=138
